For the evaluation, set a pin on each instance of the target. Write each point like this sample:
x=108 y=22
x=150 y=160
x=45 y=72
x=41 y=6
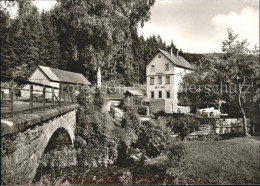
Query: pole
x=44 y=96
x=11 y=97
x=31 y=99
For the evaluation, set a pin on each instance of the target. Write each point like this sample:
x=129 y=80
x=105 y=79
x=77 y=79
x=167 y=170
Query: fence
x=219 y=125
x=12 y=103
x=230 y=125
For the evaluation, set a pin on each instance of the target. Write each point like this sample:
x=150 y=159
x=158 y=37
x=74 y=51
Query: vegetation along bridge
x=31 y=125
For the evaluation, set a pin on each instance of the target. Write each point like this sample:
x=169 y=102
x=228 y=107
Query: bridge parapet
x=21 y=96
x=20 y=123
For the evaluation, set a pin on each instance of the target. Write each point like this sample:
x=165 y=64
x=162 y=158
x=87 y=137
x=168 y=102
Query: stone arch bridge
x=24 y=139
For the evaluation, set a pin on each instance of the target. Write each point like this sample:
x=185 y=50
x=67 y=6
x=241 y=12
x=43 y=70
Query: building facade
x=163 y=76
x=53 y=77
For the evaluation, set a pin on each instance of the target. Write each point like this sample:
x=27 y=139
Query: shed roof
x=58 y=75
x=134 y=92
x=178 y=61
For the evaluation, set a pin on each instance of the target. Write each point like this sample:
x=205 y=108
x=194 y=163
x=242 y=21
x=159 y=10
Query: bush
x=130 y=121
x=180 y=124
x=123 y=158
x=153 y=138
x=149 y=174
x=94 y=142
x=183 y=129
x=175 y=153
x=175 y=169
x=91 y=101
x=98 y=99
x=59 y=158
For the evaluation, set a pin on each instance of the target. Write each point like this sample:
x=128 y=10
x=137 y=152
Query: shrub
x=122 y=159
x=175 y=169
x=153 y=138
x=94 y=142
x=130 y=121
x=149 y=174
x=59 y=158
x=183 y=129
x=98 y=99
x=175 y=153
x=179 y=123
x=86 y=103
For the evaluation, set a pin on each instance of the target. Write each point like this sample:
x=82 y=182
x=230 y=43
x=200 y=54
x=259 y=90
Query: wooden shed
x=134 y=97
x=56 y=78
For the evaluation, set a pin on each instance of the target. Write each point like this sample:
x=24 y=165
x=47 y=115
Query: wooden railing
x=39 y=96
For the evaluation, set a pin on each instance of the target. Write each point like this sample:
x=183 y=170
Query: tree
x=51 y=48
x=99 y=34
x=239 y=67
x=80 y=36
x=234 y=70
x=7 y=29
x=21 y=72
x=194 y=88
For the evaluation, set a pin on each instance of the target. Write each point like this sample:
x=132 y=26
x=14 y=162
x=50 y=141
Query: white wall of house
x=38 y=77
x=175 y=73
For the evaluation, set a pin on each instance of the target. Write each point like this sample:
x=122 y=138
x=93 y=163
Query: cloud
x=245 y=24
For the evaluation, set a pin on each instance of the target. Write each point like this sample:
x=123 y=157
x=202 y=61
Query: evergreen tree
x=51 y=48
x=6 y=50
x=29 y=36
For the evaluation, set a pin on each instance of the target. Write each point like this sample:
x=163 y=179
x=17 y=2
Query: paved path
x=119 y=113
x=114 y=103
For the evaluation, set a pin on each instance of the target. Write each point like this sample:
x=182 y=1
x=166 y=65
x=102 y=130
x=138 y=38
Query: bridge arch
x=59 y=139
x=19 y=167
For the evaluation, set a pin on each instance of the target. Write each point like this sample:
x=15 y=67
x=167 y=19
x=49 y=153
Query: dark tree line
x=80 y=36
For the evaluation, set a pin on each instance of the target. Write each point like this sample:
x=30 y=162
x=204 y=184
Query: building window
x=160 y=94
x=159 y=80
x=168 y=80
x=151 y=80
x=168 y=94
x=167 y=67
x=152 y=68
x=152 y=94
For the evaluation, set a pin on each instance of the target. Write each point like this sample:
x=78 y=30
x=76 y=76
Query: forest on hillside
x=79 y=36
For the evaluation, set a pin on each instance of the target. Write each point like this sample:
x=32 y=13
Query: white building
x=163 y=75
x=53 y=77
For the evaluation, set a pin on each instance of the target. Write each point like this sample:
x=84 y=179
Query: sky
x=45 y=4
x=197 y=26
x=200 y=26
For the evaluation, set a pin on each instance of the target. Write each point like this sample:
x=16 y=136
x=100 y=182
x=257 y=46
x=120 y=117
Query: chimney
x=171 y=51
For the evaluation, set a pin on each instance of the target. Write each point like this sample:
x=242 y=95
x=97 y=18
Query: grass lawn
x=231 y=161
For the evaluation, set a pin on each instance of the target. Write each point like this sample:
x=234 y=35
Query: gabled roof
x=134 y=92
x=178 y=61
x=64 y=76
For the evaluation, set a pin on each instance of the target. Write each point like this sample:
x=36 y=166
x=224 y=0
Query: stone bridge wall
x=22 y=151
